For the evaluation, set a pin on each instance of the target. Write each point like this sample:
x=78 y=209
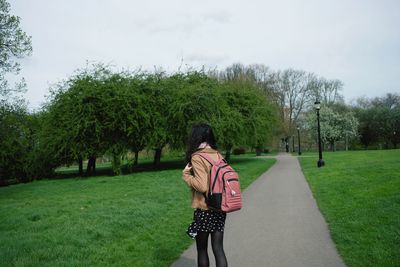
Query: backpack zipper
x=233 y=192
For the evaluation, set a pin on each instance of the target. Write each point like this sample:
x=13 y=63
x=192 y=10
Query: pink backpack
x=224 y=191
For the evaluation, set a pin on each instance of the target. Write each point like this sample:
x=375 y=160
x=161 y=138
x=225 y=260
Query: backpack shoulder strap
x=206 y=157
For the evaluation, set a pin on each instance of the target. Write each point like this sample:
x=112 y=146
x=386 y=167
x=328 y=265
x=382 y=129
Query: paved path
x=279 y=225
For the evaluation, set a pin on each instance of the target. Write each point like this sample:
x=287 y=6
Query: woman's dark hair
x=200 y=133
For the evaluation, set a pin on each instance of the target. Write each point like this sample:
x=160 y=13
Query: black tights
x=217 y=245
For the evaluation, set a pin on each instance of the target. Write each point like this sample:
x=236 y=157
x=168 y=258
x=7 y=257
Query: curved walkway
x=279 y=225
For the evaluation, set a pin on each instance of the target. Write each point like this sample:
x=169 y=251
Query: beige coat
x=198 y=179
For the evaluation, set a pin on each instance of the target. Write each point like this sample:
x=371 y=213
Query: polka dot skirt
x=206 y=221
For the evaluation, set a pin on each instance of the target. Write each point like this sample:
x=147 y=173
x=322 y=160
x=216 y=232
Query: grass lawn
x=138 y=219
x=358 y=193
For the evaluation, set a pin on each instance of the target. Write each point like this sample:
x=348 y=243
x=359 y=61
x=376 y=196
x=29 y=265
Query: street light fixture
x=321 y=162
x=298 y=138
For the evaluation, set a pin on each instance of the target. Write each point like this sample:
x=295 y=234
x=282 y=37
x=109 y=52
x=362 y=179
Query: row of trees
x=293 y=91
x=98 y=111
x=367 y=123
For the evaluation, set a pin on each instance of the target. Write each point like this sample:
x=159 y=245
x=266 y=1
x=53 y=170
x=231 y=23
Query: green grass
x=359 y=195
x=138 y=219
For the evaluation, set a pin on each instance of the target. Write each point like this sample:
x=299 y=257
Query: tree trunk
x=80 y=162
x=91 y=167
x=228 y=153
x=116 y=164
x=135 y=163
x=157 y=156
x=94 y=165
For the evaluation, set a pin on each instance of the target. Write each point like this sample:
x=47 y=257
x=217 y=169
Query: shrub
x=239 y=151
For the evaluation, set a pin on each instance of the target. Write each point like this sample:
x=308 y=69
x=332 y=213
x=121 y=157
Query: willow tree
x=138 y=128
x=74 y=125
x=196 y=101
x=255 y=116
x=236 y=109
x=158 y=94
x=126 y=118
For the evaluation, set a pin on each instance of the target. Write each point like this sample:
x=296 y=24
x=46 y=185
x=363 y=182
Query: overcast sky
x=357 y=42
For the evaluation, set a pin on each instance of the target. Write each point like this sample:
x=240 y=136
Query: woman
x=206 y=222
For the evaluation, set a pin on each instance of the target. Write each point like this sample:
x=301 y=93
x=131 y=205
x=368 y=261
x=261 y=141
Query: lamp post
x=293 y=150
x=298 y=138
x=320 y=163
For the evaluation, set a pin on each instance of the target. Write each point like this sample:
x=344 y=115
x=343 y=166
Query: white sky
x=356 y=41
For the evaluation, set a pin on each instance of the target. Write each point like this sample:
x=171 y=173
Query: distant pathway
x=279 y=225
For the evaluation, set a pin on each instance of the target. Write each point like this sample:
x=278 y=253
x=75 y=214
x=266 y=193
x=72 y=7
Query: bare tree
x=389 y=101
x=327 y=91
x=293 y=90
